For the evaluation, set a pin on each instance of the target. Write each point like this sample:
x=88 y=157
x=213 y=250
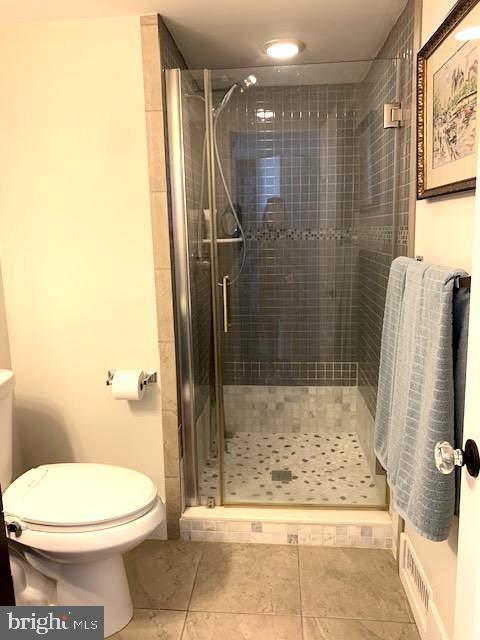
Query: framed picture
x=447 y=104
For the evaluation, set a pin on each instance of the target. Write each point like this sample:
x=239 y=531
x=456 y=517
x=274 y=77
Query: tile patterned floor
x=328 y=468
x=212 y=591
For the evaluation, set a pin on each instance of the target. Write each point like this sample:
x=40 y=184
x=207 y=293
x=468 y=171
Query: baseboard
x=419 y=594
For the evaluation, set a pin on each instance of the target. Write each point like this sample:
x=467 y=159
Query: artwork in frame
x=447 y=104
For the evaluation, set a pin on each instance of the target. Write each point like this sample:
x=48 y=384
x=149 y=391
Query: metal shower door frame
x=184 y=337
x=183 y=309
x=216 y=283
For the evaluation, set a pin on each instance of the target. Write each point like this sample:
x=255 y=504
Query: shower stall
x=289 y=201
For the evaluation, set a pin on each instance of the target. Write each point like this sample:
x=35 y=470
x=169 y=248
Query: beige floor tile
x=241 y=626
x=152 y=624
x=249 y=578
x=161 y=574
x=351 y=583
x=323 y=629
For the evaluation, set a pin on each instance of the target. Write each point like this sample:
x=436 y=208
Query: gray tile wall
x=385 y=188
x=293 y=310
x=170 y=54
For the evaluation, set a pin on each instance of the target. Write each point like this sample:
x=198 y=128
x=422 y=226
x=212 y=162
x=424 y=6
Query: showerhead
x=243 y=85
x=249 y=81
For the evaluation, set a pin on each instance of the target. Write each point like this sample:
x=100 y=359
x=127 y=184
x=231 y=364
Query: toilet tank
x=7 y=383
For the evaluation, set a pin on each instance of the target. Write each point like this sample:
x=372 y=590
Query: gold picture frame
x=447 y=118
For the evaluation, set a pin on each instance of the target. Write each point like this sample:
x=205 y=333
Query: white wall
x=5 y=362
x=443 y=226
x=75 y=240
x=443 y=235
x=444 y=230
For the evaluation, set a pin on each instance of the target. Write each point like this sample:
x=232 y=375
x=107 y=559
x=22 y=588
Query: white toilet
x=69 y=525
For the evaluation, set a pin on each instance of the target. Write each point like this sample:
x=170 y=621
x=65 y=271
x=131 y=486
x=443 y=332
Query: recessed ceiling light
x=283 y=49
x=471 y=33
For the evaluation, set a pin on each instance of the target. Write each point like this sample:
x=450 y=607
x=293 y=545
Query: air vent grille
x=416 y=577
x=416 y=587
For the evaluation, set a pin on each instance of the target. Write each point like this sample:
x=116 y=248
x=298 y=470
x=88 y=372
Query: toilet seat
x=72 y=545
x=78 y=497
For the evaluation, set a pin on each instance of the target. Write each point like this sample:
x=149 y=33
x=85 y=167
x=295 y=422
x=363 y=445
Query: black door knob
x=471 y=458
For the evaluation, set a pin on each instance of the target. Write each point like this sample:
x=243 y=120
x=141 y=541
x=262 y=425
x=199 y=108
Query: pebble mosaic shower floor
x=311 y=468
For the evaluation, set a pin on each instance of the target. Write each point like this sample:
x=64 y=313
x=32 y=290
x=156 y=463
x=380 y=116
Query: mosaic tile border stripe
x=378 y=233
x=299 y=234
x=344 y=535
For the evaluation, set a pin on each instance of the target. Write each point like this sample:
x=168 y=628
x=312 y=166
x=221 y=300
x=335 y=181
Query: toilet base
x=85 y=567
x=102 y=583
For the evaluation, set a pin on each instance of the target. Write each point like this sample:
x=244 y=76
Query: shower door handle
x=226 y=322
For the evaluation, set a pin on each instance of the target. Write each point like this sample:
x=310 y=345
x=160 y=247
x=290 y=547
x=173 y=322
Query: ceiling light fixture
x=471 y=33
x=283 y=49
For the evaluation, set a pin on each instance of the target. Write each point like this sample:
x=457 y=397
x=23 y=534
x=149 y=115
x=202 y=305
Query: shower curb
x=328 y=528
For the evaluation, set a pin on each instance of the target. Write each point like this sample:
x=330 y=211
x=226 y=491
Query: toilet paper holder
x=148 y=378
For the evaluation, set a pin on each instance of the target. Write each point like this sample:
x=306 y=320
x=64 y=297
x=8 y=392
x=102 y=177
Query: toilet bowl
x=69 y=525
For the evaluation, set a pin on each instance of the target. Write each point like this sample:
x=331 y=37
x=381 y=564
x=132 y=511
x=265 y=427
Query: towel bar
x=462 y=282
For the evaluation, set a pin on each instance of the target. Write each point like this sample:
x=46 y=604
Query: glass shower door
x=286 y=166
x=288 y=206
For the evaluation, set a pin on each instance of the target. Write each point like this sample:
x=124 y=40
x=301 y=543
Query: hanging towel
x=421 y=402
x=461 y=313
x=391 y=323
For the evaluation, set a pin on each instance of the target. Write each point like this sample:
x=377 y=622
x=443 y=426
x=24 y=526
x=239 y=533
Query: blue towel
x=461 y=312
x=416 y=401
x=388 y=355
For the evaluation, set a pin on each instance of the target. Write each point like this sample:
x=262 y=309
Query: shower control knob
x=447 y=458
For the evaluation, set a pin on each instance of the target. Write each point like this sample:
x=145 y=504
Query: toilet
x=69 y=525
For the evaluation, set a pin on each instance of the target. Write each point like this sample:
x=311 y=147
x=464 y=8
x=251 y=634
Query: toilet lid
x=78 y=494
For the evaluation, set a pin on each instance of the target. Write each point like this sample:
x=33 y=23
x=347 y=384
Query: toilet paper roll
x=126 y=384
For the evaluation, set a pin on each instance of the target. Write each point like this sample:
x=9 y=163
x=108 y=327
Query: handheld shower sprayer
x=243 y=85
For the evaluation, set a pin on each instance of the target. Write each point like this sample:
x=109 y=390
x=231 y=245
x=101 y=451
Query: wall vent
x=415 y=583
x=417 y=578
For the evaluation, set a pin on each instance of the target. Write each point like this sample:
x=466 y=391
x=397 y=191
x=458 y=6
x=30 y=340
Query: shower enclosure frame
x=189 y=460
x=183 y=310
x=183 y=285
x=217 y=315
